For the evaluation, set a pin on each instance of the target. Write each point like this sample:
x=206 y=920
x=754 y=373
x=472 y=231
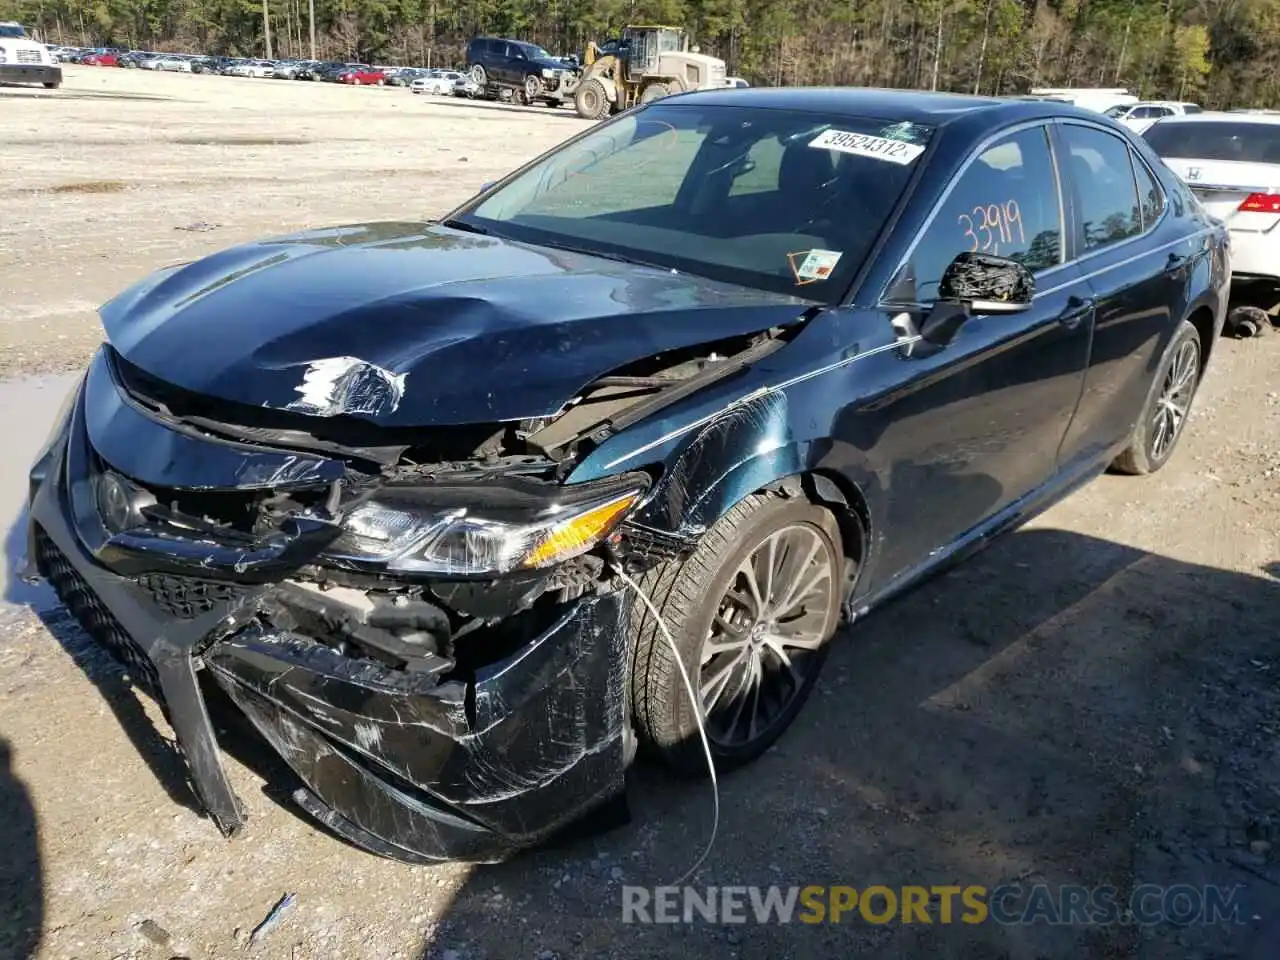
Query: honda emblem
x=1193 y=173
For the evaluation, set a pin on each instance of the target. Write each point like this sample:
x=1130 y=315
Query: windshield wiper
x=616 y=257
x=457 y=224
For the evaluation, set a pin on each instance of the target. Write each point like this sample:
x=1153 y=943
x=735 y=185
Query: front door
x=975 y=425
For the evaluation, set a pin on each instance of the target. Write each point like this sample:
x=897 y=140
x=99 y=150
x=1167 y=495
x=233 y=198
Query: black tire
x=1248 y=322
x=1145 y=454
x=654 y=91
x=591 y=101
x=53 y=84
x=689 y=596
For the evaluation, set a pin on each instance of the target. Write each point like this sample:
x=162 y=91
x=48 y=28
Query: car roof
x=1221 y=117
x=912 y=106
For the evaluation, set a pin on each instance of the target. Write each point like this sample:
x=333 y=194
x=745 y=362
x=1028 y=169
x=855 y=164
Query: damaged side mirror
x=977 y=283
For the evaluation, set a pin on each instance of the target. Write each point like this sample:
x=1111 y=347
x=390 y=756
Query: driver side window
x=1005 y=203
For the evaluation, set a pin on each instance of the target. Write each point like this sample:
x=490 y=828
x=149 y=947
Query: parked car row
x=419 y=80
x=335 y=71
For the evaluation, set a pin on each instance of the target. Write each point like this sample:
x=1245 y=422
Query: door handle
x=1076 y=310
x=1178 y=260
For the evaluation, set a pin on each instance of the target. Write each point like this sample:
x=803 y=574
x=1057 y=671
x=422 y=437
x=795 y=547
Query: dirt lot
x=1093 y=700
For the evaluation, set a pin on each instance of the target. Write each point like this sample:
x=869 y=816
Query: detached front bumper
x=30 y=73
x=404 y=764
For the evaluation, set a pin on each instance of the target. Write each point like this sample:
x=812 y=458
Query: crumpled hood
x=408 y=324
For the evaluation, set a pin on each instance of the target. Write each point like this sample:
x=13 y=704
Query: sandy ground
x=1093 y=700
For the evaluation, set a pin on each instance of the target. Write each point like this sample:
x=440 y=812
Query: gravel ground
x=1093 y=700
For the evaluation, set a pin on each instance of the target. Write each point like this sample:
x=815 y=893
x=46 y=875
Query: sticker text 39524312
x=865 y=145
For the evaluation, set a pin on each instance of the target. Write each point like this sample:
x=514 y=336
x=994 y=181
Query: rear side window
x=1099 y=164
x=1005 y=203
x=1241 y=141
x=1150 y=195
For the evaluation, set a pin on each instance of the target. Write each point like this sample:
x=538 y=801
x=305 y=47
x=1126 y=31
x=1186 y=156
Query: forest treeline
x=1220 y=53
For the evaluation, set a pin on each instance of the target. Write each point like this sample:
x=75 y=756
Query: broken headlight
x=465 y=541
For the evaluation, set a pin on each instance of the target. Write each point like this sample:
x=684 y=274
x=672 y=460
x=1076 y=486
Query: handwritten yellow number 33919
x=989 y=225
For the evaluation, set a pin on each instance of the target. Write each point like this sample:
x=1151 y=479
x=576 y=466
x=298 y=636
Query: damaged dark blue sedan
x=426 y=501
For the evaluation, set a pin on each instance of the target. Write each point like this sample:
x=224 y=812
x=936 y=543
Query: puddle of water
x=29 y=405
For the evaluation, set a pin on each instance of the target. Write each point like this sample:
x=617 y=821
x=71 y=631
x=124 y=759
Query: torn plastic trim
x=541 y=743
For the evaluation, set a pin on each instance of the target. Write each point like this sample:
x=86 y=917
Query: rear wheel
x=1168 y=403
x=751 y=611
x=52 y=85
x=591 y=101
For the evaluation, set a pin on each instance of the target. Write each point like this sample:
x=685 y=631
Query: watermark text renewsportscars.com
x=1010 y=904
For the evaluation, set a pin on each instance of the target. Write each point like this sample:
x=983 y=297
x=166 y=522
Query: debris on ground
x=283 y=906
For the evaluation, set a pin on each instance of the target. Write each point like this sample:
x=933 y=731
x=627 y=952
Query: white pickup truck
x=23 y=60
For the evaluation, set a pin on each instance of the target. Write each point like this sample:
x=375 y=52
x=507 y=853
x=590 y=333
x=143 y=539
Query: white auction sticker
x=817 y=265
x=865 y=145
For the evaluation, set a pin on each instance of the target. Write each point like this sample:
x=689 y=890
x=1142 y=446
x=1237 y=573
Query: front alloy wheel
x=751 y=611
x=758 y=655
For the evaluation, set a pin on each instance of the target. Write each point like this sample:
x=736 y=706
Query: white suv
x=23 y=60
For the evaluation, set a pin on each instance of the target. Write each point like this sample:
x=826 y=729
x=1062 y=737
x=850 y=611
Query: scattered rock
x=154 y=932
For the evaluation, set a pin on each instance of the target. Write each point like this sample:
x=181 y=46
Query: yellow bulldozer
x=646 y=63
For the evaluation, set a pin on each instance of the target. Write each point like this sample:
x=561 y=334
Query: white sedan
x=439 y=84
x=1231 y=162
x=254 y=68
x=1138 y=116
x=173 y=64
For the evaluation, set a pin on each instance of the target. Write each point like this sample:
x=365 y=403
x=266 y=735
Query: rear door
x=1137 y=259
x=504 y=61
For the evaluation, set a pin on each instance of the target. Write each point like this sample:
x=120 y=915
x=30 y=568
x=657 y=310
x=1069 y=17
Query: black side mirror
x=977 y=283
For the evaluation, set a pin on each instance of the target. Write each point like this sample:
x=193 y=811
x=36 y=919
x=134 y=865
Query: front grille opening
x=186 y=598
x=92 y=614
